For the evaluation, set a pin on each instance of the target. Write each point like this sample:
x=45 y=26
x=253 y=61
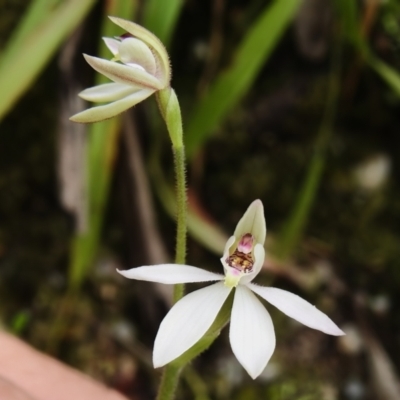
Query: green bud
x=171 y=112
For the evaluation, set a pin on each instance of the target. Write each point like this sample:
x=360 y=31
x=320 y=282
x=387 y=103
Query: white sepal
x=121 y=73
x=100 y=113
x=251 y=332
x=253 y=221
x=107 y=92
x=297 y=308
x=187 y=322
x=171 y=274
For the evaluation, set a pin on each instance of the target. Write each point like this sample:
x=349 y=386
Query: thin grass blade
x=351 y=24
x=37 y=12
x=36 y=49
x=102 y=148
x=390 y=75
x=232 y=84
x=160 y=17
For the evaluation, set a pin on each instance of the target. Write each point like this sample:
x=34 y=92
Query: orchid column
x=140 y=67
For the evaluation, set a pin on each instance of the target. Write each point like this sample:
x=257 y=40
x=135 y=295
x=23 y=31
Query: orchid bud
x=139 y=68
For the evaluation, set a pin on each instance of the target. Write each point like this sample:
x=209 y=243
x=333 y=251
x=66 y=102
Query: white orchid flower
x=251 y=334
x=140 y=67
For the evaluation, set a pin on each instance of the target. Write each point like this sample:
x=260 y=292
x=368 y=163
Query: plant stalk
x=181 y=214
x=169 y=382
x=170 y=110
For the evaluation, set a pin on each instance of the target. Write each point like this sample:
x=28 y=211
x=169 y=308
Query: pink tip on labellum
x=246 y=243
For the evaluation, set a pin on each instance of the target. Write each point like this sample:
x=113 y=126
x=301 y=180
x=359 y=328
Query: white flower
x=139 y=68
x=251 y=334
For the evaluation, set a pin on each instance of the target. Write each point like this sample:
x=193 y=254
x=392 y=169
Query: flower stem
x=181 y=215
x=171 y=372
x=170 y=110
x=169 y=382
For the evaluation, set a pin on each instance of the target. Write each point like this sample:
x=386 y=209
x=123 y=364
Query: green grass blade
x=102 y=148
x=390 y=75
x=36 y=50
x=348 y=11
x=160 y=17
x=296 y=223
x=233 y=83
x=349 y=17
x=36 y=13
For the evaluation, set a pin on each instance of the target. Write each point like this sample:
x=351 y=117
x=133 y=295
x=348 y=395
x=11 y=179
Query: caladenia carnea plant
x=251 y=331
x=139 y=68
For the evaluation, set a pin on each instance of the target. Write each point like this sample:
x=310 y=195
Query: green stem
x=181 y=214
x=171 y=372
x=169 y=382
x=170 y=110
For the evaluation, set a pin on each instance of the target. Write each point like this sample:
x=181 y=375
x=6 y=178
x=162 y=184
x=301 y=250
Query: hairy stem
x=181 y=214
x=170 y=110
x=169 y=382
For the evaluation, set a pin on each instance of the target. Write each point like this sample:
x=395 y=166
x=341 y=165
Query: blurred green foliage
x=102 y=148
x=43 y=28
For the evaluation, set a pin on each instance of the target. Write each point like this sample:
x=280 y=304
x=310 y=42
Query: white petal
x=124 y=74
x=251 y=333
x=187 y=322
x=225 y=255
x=134 y=51
x=298 y=309
x=107 y=92
x=112 y=45
x=100 y=113
x=253 y=221
x=171 y=274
